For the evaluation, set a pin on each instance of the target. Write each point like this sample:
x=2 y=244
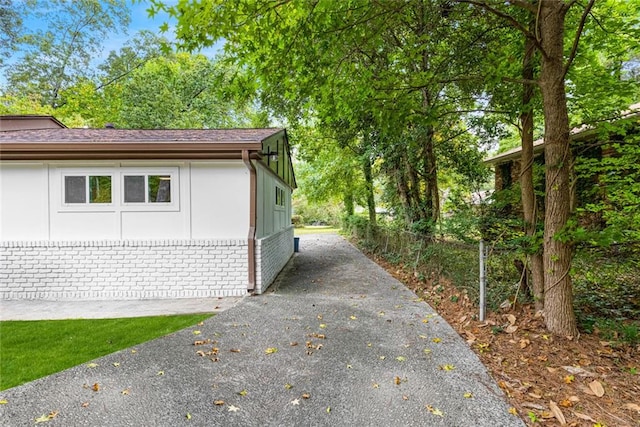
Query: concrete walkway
x=337 y=342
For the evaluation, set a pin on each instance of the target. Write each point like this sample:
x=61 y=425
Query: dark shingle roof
x=138 y=135
x=87 y=144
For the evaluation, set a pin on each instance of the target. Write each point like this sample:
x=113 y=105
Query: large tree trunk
x=368 y=180
x=529 y=207
x=558 y=304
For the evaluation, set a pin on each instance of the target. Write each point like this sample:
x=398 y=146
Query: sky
x=140 y=20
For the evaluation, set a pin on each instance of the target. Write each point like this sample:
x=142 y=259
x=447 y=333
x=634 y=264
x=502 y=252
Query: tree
x=59 y=55
x=10 y=27
x=558 y=47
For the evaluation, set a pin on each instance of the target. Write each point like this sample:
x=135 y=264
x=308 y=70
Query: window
x=279 y=196
x=82 y=189
x=147 y=188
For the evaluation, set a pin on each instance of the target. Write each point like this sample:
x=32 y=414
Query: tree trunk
x=368 y=179
x=349 y=203
x=529 y=207
x=432 y=196
x=559 y=315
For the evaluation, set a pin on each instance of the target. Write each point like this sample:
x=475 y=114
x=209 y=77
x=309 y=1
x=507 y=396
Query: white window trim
x=172 y=206
x=117 y=174
x=86 y=206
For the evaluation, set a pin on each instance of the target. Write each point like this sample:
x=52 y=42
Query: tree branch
x=510 y=19
x=576 y=40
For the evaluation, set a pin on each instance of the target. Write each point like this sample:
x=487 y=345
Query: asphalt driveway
x=336 y=342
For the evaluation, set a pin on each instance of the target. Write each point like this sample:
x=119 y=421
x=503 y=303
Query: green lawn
x=319 y=229
x=34 y=349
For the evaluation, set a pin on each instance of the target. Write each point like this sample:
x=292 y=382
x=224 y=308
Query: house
x=20 y=122
x=588 y=144
x=143 y=214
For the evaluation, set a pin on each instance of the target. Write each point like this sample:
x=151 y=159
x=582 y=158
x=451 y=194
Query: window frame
x=171 y=172
x=87 y=173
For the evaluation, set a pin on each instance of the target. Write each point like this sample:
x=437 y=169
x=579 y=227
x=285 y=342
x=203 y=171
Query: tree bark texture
x=368 y=179
x=529 y=206
x=558 y=302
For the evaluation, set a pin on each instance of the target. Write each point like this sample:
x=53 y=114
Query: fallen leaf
x=435 y=411
x=96 y=387
x=242 y=392
x=160 y=373
x=218 y=402
x=134 y=351
x=42 y=419
x=426 y=351
x=524 y=343
x=352 y=317
x=271 y=350
x=424 y=337
x=328 y=409
x=568 y=379
x=436 y=340
x=447 y=367
x=512 y=319
x=295 y=402
x=381 y=313
x=116 y=364
x=288 y=386
x=557 y=412
x=201 y=323
x=235 y=350
x=401 y=358
x=306 y=395
x=584 y=417
x=511 y=329
x=596 y=388
x=322 y=326
x=575 y=370
x=126 y=391
x=565 y=403
x=376 y=385
x=197 y=332
x=92 y=365
x=4 y=402
x=233 y=408
x=468 y=395
x=513 y=411
x=188 y=416
x=552 y=370
x=397 y=380
x=632 y=407
x=85 y=404
x=405 y=397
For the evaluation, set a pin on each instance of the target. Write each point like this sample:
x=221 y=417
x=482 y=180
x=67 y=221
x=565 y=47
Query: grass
x=33 y=349
x=315 y=229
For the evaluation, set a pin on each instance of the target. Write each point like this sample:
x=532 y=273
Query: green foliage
x=62 y=344
x=59 y=54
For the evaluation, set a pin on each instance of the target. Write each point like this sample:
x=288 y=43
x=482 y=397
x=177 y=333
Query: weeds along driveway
x=337 y=341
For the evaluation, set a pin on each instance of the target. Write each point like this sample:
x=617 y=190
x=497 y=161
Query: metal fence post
x=483 y=282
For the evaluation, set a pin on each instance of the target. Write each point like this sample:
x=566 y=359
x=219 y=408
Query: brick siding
x=100 y=270
x=272 y=254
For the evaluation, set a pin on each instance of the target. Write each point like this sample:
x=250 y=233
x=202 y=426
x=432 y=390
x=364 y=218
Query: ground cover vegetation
x=391 y=107
x=33 y=349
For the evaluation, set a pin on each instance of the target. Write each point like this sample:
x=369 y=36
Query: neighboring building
x=587 y=143
x=29 y=122
x=143 y=214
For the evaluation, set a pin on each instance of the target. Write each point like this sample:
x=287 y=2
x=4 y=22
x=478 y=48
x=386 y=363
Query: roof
x=577 y=133
x=29 y=121
x=67 y=144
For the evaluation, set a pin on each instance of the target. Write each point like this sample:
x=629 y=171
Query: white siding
x=219 y=200
x=24 y=202
x=272 y=219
